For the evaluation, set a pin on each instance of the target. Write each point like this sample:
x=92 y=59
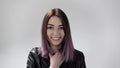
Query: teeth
x=56 y=38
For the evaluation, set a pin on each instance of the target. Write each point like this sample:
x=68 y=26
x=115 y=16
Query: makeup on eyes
x=51 y=26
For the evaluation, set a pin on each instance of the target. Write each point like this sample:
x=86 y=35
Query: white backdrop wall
x=95 y=28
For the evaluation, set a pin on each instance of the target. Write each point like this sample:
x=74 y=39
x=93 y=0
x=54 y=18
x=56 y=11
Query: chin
x=56 y=44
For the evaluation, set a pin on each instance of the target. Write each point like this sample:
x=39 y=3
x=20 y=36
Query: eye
x=49 y=27
x=61 y=27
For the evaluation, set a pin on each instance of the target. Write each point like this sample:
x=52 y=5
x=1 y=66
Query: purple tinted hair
x=67 y=48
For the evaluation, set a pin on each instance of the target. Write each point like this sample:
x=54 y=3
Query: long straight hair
x=67 y=48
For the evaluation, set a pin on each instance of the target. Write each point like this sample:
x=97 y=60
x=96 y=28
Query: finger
x=63 y=59
x=56 y=54
x=50 y=55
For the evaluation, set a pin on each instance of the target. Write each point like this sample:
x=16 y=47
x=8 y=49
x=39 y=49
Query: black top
x=36 y=61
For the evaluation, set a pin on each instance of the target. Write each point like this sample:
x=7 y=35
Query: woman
x=57 y=49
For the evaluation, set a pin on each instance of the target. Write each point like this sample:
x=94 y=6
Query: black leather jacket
x=36 y=61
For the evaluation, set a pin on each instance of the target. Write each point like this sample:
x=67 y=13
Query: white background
x=95 y=28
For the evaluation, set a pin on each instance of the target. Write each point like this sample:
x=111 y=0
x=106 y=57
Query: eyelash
x=61 y=27
x=49 y=27
x=52 y=28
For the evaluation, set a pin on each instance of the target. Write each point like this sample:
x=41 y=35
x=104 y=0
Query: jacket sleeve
x=33 y=59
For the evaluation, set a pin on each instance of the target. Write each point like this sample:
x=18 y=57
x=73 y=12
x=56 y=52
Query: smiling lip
x=55 y=38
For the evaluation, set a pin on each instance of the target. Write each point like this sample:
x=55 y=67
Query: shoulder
x=79 y=59
x=78 y=54
x=33 y=58
x=35 y=50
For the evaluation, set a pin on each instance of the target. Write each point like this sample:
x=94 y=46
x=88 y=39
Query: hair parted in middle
x=67 y=47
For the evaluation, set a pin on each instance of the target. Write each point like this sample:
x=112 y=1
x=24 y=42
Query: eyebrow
x=53 y=25
x=50 y=24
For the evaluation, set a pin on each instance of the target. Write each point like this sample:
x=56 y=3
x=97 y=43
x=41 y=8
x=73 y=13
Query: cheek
x=62 y=33
x=48 y=33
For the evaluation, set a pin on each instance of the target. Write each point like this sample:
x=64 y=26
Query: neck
x=55 y=48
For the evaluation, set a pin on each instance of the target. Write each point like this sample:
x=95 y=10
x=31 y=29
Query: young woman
x=57 y=49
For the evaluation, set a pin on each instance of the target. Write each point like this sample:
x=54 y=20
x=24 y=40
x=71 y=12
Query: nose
x=56 y=32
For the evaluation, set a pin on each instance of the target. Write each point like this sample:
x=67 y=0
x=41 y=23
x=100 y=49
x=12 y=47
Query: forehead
x=54 y=20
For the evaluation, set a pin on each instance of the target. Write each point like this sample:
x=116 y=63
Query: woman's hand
x=56 y=60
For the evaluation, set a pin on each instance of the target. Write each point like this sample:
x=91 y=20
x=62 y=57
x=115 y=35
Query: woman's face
x=55 y=31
